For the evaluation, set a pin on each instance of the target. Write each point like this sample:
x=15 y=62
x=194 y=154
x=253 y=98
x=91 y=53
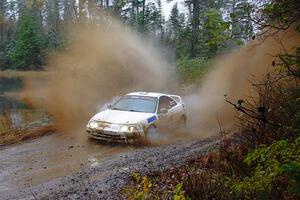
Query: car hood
x=122 y=117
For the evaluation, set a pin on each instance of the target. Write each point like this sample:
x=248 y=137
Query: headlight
x=129 y=129
x=132 y=129
x=124 y=129
x=93 y=124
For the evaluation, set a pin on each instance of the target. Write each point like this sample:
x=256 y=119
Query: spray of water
x=110 y=60
x=232 y=75
x=101 y=63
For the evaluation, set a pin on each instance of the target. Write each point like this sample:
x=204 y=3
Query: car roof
x=149 y=94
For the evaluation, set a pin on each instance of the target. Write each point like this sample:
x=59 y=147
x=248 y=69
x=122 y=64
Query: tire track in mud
x=102 y=177
x=45 y=159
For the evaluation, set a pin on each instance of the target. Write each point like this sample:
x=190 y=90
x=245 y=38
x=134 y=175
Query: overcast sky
x=167 y=6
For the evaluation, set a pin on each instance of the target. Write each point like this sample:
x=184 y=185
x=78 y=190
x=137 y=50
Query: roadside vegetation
x=192 y=70
x=11 y=133
x=18 y=121
x=262 y=159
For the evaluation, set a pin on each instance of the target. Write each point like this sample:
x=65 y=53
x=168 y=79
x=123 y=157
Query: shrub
x=268 y=163
x=191 y=70
x=144 y=188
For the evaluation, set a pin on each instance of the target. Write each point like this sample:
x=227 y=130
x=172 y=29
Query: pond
x=15 y=113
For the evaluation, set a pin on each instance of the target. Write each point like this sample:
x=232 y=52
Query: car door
x=166 y=111
x=174 y=111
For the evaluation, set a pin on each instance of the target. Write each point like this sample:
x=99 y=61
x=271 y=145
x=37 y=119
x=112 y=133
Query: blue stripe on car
x=151 y=119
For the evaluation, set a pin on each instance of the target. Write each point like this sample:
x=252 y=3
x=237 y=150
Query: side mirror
x=109 y=106
x=163 y=111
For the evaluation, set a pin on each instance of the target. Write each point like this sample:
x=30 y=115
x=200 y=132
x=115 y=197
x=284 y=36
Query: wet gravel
x=103 y=179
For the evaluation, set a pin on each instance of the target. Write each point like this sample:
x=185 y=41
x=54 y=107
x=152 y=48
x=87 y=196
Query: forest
x=195 y=30
x=262 y=158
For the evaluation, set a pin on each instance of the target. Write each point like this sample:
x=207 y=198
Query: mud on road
x=66 y=167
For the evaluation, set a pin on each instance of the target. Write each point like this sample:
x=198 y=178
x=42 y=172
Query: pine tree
x=174 y=22
x=53 y=24
x=195 y=27
x=68 y=11
x=161 y=20
x=215 y=33
x=2 y=33
x=27 y=50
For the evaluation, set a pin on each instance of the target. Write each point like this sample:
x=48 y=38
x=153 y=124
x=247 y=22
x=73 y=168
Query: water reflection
x=11 y=103
x=10 y=84
x=14 y=112
x=16 y=119
x=7 y=86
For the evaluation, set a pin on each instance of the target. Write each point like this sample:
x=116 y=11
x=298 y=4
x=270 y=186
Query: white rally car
x=137 y=115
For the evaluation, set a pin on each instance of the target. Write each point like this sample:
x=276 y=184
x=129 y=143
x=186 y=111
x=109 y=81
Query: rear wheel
x=182 y=122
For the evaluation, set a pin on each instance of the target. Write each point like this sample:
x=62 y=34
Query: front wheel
x=152 y=134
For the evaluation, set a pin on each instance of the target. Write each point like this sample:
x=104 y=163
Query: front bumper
x=112 y=136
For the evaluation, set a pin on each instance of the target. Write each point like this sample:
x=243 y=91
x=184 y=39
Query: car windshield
x=136 y=104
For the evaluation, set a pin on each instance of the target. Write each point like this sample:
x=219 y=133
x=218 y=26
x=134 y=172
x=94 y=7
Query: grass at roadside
x=16 y=136
x=20 y=125
x=17 y=122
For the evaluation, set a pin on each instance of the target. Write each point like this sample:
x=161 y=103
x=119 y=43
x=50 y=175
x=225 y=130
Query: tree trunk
x=143 y=15
x=66 y=15
x=91 y=5
x=56 y=15
x=195 y=26
x=81 y=9
x=2 y=20
x=132 y=12
x=137 y=12
x=234 y=24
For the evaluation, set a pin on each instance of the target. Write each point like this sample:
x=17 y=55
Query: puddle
x=93 y=162
x=14 y=112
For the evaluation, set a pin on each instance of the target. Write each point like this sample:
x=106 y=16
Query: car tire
x=182 y=122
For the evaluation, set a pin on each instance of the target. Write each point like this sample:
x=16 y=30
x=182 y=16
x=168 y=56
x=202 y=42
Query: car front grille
x=107 y=135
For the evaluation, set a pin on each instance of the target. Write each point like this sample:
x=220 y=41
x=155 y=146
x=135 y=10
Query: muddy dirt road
x=62 y=166
x=48 y=158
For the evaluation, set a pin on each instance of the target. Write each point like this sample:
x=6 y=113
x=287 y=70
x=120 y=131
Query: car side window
x=166 y=102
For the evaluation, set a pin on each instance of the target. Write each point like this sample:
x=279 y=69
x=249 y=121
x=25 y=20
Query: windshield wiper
x=135 y=110
x=131 y=110
x=115 y=109
x=119 y=109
